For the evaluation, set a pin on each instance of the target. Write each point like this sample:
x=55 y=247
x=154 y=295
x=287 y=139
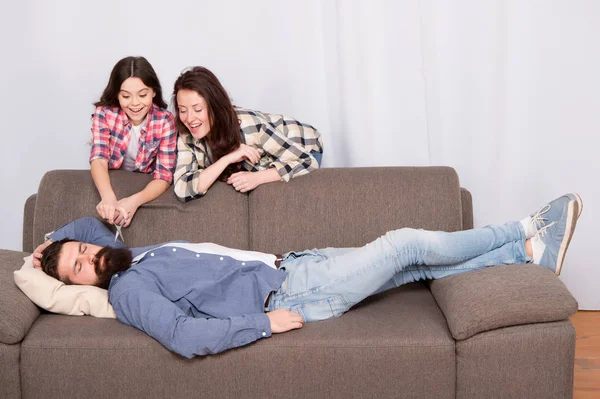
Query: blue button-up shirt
x=193 y=303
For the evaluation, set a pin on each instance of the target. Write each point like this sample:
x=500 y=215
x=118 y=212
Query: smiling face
x=76 y=263
x=193 y=113
x=135 y=98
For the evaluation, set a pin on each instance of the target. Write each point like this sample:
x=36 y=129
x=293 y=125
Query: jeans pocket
x=321 y=309
x=299 y=254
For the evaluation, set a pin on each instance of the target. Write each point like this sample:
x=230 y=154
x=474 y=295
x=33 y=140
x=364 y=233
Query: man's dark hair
x=50 y=257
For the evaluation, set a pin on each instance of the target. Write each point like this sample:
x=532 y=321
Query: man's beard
x=110 y=261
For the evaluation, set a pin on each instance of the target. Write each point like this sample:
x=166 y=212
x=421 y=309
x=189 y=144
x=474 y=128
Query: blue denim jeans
x=324 y=283
x=318 y=156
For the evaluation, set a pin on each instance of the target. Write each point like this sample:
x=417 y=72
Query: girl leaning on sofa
x=131 y=130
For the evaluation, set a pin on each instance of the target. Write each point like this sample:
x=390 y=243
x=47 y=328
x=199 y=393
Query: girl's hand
x=127 y=209
x=244 y=152
x=245 y=181
x=109 y=209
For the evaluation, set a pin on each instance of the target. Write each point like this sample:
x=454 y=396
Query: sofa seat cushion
x=378 y=349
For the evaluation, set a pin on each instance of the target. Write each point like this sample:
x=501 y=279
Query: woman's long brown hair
x=224 y=136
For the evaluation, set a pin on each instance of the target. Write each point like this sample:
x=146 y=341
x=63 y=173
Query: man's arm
x=86 y=229
x=188 y=336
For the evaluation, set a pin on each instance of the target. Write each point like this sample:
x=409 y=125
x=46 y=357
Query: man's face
x=76 y=263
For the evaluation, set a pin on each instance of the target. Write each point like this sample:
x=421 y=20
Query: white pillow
x=54 y=296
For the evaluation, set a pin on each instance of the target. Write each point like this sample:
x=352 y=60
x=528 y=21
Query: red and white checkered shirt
x=111 y=131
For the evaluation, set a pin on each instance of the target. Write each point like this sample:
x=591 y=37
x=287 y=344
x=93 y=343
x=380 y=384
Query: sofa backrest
x=340 y=207
x=221 y=216
x=348 y=207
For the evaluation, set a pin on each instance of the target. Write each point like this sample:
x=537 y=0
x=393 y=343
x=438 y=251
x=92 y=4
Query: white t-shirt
x=215 y=249
x=132 y=148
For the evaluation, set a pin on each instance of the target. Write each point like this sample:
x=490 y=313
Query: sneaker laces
x=541 y=232
x=537 y=220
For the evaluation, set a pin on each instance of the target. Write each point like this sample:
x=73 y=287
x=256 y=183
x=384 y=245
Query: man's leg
x=508 y=254
x=325 y=283
x=550 y=230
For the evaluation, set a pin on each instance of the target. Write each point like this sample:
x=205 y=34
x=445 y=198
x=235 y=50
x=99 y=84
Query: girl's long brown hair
x=224 y=136
x=131 y=67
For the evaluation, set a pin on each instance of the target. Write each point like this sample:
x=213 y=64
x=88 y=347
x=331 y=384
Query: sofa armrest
x=17 y=312
x=467 y=208
x=504 y=296
x=28 y=223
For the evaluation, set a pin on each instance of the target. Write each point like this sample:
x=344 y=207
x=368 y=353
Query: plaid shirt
x=282 y=142
x=156 y=150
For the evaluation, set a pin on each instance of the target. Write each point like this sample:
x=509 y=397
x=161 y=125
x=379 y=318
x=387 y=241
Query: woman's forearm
x=211 y=174
x=269 y=175
x=152 y=191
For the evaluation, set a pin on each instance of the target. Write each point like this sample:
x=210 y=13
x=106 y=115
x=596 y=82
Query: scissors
x=119 y=232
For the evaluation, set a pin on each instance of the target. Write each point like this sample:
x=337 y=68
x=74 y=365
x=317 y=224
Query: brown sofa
x=496 y=333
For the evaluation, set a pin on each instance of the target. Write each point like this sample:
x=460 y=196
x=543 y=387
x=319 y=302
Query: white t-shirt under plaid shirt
x=282 y=142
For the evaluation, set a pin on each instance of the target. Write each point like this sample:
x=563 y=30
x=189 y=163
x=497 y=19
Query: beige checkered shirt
x=282 y=142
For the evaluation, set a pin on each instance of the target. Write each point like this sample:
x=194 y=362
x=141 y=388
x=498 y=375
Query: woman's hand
x=245 y=181
x=37 y=254
x=244 y=152
x=109 y=210
x=127 y=209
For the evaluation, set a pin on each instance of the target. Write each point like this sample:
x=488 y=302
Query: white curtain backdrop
x=504 y=91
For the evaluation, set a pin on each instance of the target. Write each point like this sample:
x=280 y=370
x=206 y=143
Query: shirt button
x=221 y=258
x=197 y=255
x=174 y=249
x=152 y=254
x=243 y=263
x=264 y=334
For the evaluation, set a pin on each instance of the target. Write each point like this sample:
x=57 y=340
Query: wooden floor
x=587 y=355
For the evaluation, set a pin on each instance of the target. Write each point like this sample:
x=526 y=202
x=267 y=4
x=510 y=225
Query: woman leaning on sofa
x=245 y=148
x=131 y=130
